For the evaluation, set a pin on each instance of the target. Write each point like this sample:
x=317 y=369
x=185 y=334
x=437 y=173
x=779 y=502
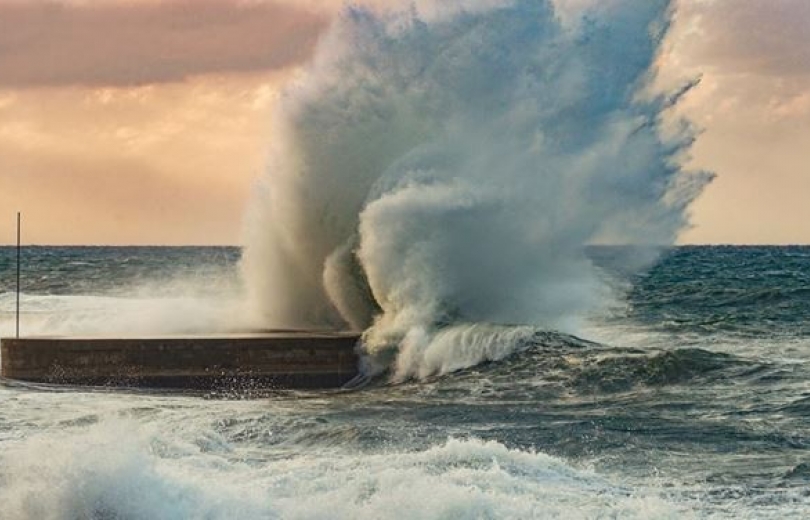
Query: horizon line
x=242 y=246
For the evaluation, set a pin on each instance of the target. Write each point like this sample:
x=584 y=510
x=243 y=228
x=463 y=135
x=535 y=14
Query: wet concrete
x=271 y=359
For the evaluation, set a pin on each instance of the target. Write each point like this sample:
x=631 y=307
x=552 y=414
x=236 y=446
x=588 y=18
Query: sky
x=147 y=121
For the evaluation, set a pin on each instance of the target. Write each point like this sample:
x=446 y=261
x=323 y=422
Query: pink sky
x=146 y=121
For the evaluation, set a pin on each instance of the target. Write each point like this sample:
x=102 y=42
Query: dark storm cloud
x=50 y=43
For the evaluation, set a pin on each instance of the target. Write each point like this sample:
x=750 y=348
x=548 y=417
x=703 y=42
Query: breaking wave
x=123 y=469
x=434 y=169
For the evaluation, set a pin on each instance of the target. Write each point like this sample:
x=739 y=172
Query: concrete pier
x=276 y=359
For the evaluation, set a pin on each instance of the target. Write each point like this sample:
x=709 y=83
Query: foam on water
x=670 y=419
x=142 y=457
x=134 y=315
x=121 y=468
x=453 y=348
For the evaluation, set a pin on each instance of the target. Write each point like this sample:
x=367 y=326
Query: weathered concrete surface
x=280 y=359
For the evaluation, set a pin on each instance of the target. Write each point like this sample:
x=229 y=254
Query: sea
x=687 y=396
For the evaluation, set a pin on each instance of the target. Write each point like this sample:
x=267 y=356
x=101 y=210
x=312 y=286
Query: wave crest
x=433 y=171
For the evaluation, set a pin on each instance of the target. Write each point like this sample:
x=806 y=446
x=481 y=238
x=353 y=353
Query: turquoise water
x=688 y=396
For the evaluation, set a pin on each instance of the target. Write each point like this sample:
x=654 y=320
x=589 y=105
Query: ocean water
x=687 y=396
x=432 y=175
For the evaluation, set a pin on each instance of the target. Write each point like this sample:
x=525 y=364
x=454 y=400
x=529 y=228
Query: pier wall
x=284 y=360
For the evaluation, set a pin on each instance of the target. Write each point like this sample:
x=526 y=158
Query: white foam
x=445 y=166
x=139 y=315
x=124 y=469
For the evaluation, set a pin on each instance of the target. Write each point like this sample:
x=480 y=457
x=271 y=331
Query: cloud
x=109 y=200
x=749 y=36
x=127 y=43
x=753 y=106
x=169 y=163
x=172 y=160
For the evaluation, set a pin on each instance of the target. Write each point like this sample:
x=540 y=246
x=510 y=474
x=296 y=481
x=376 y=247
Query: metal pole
x=18 y=275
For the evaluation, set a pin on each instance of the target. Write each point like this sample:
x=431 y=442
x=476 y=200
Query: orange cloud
x=163 y=164
x=52 y=43
x=90 y=159
x=749 y=36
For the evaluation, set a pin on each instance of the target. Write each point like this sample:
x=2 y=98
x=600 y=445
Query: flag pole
x=18 y=275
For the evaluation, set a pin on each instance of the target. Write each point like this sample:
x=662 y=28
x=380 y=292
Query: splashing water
x=434 y=169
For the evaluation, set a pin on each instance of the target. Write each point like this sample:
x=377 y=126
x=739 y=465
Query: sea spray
x=123 y=291
x=432 y=171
